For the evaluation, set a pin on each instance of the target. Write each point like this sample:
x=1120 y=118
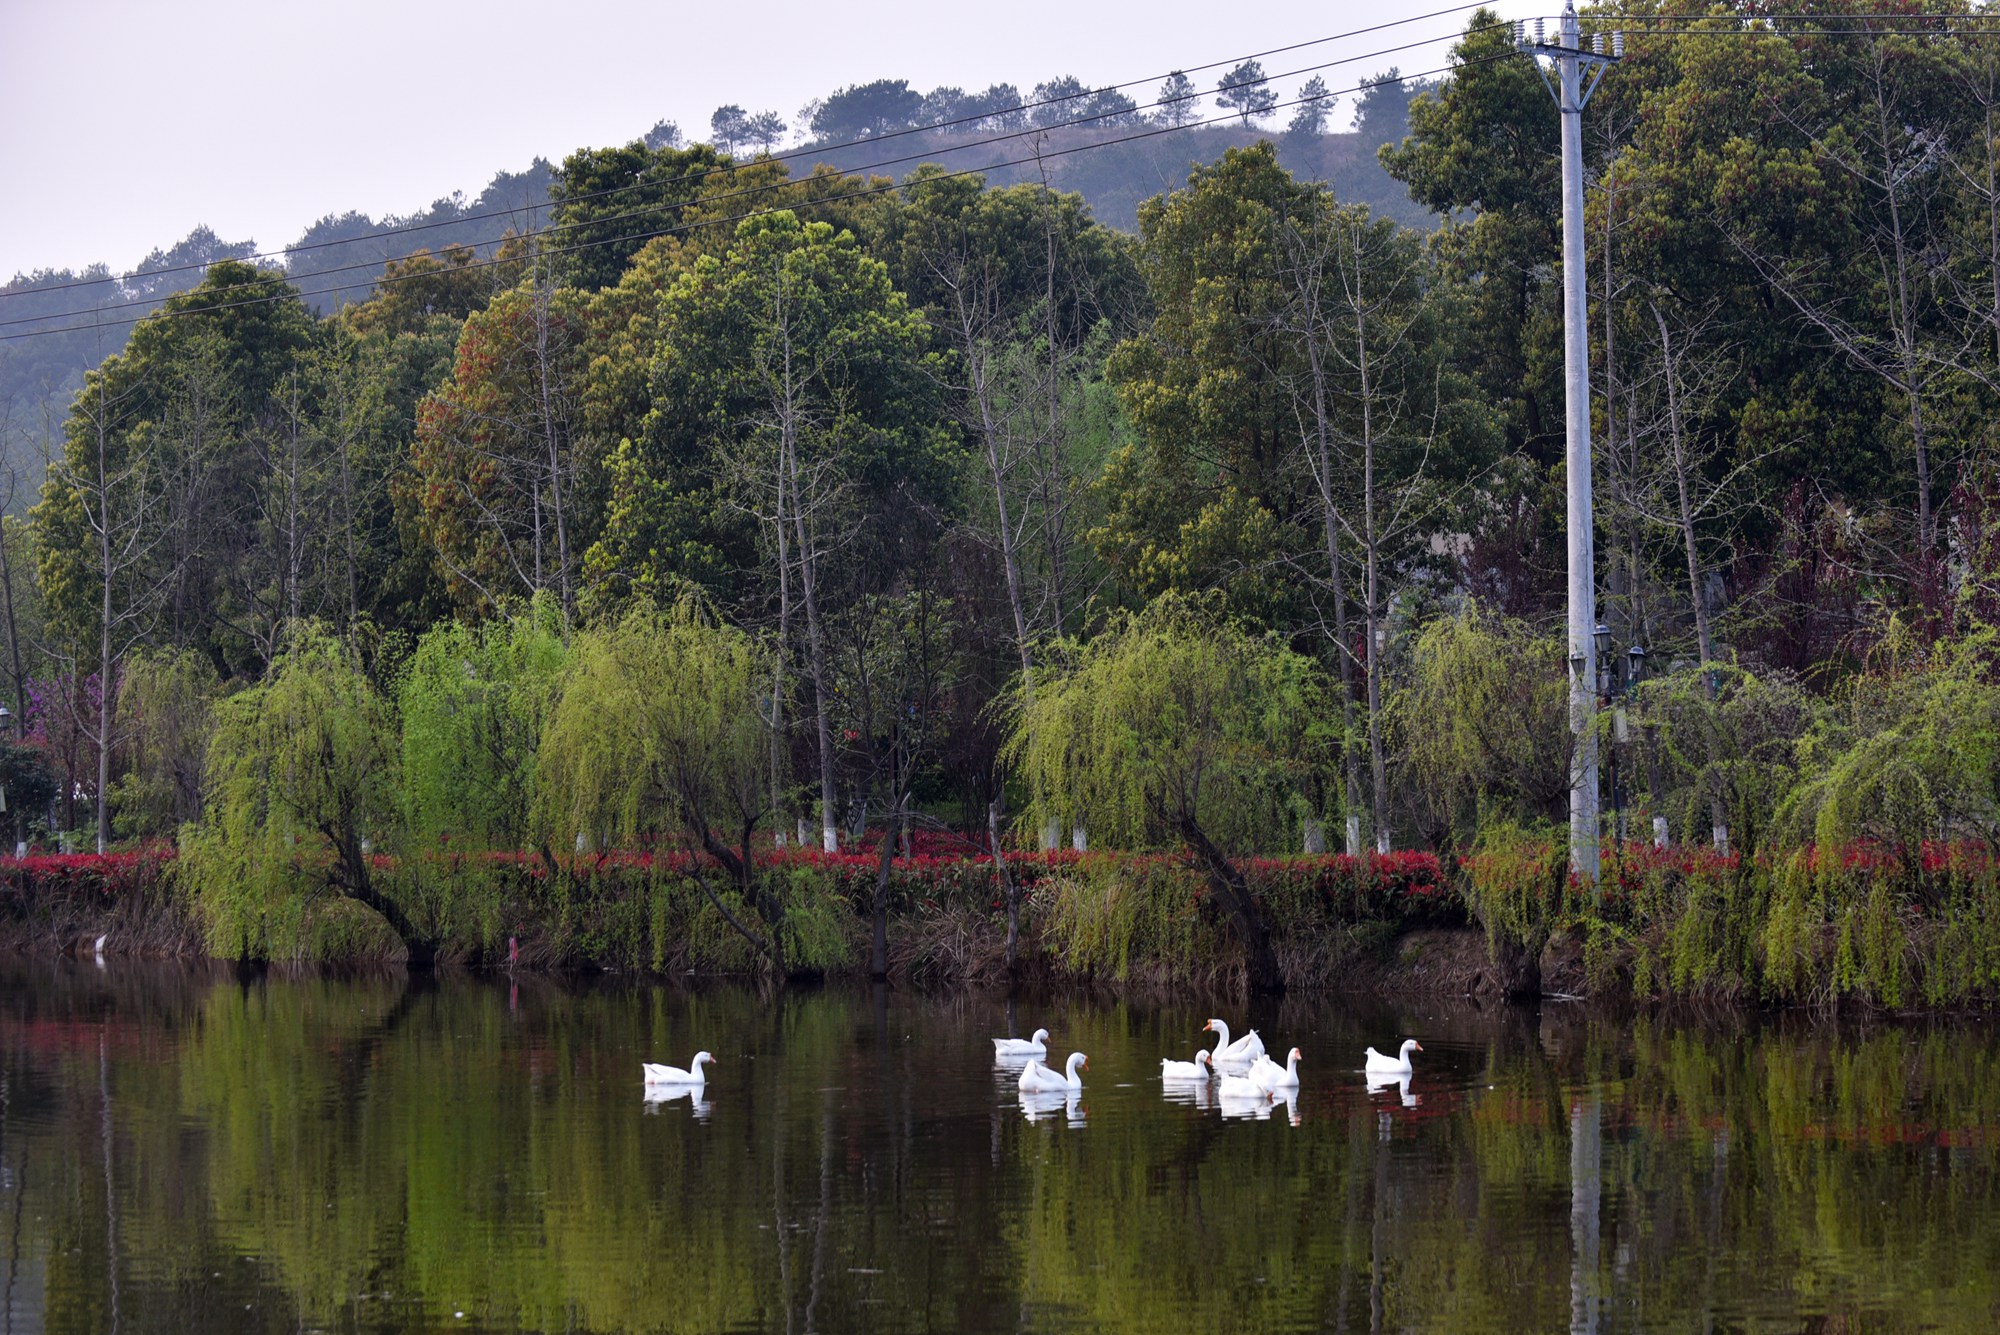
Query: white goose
x=1037 y=1078
x=657 y=1074
x=1240 y=1090
x=1038 y=1046
x=1267 y=1074
x=1198 y=1069
x=1240 y=1053
x=1396 y=1065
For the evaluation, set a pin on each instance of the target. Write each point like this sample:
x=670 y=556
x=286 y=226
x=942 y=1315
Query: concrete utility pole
x=1577 y=73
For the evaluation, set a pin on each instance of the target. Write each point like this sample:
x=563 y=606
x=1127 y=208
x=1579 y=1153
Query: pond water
x=187 y=1151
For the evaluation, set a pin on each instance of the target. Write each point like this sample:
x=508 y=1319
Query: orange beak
x=1420 y=1047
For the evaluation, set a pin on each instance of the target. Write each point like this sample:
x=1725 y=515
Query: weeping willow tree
x=1177 y=727
x=301 y=772
x=1723 y=749
x=474 y=702
x=1912 y=753
x=167 y=698
x=1483 y=723
x=657 y=731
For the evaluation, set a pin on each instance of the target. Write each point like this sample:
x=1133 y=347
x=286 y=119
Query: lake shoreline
x=1673 y=929
x=1420 y=965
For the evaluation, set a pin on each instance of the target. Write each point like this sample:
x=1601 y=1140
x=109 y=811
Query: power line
x=969 y=145
x=1815 y=23
x=803 y=152
x=1149 y=133
x=373 y=265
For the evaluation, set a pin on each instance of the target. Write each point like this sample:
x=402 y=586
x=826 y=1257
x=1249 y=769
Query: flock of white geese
x=1247 y=1080
x=1250 y=1082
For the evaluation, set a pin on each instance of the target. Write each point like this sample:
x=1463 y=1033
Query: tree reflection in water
x=189 y=1150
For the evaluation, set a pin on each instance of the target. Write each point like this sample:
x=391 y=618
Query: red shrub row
x=111 y=875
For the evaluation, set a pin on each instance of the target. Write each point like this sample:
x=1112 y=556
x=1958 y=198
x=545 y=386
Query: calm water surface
x=181 y=1151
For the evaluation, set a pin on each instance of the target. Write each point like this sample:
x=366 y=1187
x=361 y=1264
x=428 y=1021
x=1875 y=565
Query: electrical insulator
x=1520 y=33
x=1618 y=45
x=1597 y=44
x=1538 y=32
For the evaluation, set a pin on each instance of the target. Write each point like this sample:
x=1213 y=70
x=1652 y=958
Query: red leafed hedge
x=118 y=875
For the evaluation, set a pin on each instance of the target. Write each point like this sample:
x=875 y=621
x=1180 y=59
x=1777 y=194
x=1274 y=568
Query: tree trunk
x=1053 y=509
x=1343 y=650
x=1010 y=893
x=1377 y=766
x=780 y=732
x=1517 y=968
x=885 y=857
x=104 y=692
x=20 y=691
x=552 y=445
x=1704 y=648
x=808 y=559
x=1233 y=892
x=351 y=875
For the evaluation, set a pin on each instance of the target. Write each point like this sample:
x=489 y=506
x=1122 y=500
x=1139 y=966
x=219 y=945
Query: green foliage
x=788 y=365
x=1129 y=919
x=1171 y=720
x=499 y=454
x=598 y=193
x=1516 y=884
x=28 y=780
x=191 y=400
x=1483 y=721
x=167 y=700
x=1719 y=736
x=1911 y=754
x=656 y=730
x=474 y=701
x=301 y=768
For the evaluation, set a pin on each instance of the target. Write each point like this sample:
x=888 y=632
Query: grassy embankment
x=1882 y=927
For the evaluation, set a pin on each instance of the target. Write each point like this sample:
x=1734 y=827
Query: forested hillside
x=745 y=503
x=1112 y=149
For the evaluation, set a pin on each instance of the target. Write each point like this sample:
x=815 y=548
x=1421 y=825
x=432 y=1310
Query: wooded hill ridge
x=337 y=259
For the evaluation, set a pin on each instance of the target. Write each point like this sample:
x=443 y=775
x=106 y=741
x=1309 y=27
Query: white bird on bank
x=1396 y=1065
x=1037 y=1078
x=1016 y=1048
x=1267 y=1074
x=99 y=950
x=1240 y=1053
x=674 y=1075
x=1201 y=1068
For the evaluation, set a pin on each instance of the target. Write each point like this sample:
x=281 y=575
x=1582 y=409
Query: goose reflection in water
x=1261 y=1105
x=657 y=1097
x=1382 y=1084
x=1036 y=1105
x=1237 y=1102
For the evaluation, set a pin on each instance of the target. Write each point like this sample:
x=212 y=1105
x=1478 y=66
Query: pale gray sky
x=126 y=123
